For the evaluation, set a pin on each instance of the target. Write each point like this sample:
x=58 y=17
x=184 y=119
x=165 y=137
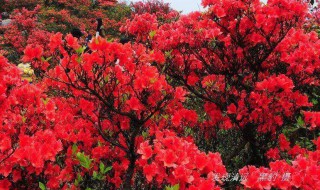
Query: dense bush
x=222 y=99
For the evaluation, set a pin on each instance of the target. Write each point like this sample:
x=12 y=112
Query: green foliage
x=145 y=134
x=168 y=54
x=74 y=148
x=45 y=101
x=103 y=169
x=152 y=33
x=175 y=187
x=118 y=12
x=46 y=59
x=42 y=186
x=84 y=160
x=300 y=122
x=78 y=180
x=80 y=50
x=101 y=174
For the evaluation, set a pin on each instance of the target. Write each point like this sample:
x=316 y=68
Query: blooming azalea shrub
x=141 y=26
x=145 y=19
x=192 y=98
x=28 y=141
x=174 y=160
x=162 y=10
x=35 y=22
x=239 y=59
x=275 y=90
x=127 y=97
x=302 y=172
x=23 y=25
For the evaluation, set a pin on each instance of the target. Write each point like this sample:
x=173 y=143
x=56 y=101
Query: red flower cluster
x=107 y=115
x=141 y=26
x=162 y=10
x=273 y=101
x=304 y=173
x=27 y=139
x=312 y=118
x=173 y=160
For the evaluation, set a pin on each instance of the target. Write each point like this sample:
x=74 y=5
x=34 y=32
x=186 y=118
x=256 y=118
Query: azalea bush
x=33 y=24
x=227 y=98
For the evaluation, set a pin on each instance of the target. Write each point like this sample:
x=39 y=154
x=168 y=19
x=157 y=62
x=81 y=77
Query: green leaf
x=188 y=130
x=165 y=116
x=80 y=50
x=175 y=187
x=107 y=169
x=152 y=33
x=164 y=68
x=78 y=180
x=42 y=186
x=124 y=97
x=314 y=101
x=145 y=134
x=106 y=79
x=79 y=59
x=74 y=148
x=49 y=58
x=212 y=43
x=24 y=119
x=288 y=161
x=300 y=122
x=45 y=101
x=288 y=131
x=45 y=60
x=84 y=160
x=101 y=166
x=168 y=54
x=209 y=83
x=228 y=86
x=95 y=175
x=153 y=80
